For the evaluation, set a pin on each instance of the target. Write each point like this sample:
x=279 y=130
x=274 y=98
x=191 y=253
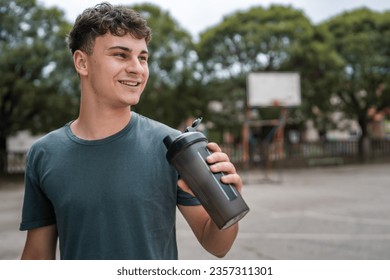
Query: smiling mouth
x=130 y=83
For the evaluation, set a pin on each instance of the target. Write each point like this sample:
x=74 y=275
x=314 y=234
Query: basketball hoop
x=273 y=89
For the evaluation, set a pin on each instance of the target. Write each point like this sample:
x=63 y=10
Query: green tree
x=319 y=66
x=172 y=92
x=362 y=38
x=37 y=83
x=258 y=39
x=255 y=40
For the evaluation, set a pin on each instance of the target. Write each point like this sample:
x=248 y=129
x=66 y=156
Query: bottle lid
x=181 y=142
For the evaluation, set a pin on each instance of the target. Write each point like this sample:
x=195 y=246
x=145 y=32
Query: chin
x=133 y=101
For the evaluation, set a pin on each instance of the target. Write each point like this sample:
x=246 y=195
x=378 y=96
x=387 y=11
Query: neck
x=98 y=123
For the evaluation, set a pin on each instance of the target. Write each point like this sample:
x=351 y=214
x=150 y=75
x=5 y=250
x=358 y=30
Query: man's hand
x=218 y=162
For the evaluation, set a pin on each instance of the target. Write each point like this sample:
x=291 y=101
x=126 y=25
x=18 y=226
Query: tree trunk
x=364 y=140
x=3 y=153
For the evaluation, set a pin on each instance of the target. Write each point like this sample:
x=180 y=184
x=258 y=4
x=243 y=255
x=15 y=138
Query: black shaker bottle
x=187 y=153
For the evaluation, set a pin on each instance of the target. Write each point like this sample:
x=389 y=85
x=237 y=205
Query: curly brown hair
x=103 y=18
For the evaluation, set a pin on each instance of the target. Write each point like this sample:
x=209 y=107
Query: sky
x=197 y=16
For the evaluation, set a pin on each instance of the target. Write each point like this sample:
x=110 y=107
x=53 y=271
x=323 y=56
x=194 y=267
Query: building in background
x=17 y=148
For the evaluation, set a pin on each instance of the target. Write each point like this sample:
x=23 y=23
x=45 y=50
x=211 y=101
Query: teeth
x=127 y=83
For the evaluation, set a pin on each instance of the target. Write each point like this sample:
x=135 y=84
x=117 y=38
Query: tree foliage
x=361 y=38
x=35 y=88
x=319 y=66
x=255 y=40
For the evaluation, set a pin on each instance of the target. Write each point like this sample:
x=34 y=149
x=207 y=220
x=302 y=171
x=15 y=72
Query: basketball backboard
x=269 y=89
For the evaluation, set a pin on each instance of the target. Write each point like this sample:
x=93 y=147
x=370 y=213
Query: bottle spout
x=194 y=125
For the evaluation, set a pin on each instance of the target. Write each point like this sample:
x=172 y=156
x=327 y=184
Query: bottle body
x=188 y=153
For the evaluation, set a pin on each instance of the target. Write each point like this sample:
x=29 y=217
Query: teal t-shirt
x=113 y=198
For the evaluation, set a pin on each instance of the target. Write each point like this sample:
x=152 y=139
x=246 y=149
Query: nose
x=135 y=66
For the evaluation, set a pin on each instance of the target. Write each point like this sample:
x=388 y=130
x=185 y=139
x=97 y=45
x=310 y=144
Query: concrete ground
x=330 y=213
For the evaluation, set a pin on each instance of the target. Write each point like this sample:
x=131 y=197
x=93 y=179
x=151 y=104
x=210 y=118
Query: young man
x=101 y=184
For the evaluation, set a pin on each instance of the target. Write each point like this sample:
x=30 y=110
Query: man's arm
x=41 y=244
x=217 y=242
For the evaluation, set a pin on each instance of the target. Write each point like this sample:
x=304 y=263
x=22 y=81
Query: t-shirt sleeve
x=186 y=199
x=37 y=209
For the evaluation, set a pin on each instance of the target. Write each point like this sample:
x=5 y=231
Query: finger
x=223 y=166
x=217 y=157
x=213 y=147
x=216 y=153
x=233 y=179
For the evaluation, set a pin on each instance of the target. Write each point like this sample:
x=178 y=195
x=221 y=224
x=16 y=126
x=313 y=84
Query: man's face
x=117 y=70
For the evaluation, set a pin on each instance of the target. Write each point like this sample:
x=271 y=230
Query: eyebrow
x=126 y=49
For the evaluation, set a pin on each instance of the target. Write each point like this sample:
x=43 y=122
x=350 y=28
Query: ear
x=80 y=62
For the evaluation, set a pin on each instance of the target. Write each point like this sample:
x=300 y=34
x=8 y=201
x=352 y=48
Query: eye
x=121 y=55
x=143 y=58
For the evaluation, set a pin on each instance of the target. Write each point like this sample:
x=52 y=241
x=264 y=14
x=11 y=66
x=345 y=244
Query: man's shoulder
x=52 y=138
x=154 y=126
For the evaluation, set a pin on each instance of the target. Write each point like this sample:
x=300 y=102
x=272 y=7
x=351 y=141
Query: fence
x=310 y=154
x=300 y=154
x=16 y=162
